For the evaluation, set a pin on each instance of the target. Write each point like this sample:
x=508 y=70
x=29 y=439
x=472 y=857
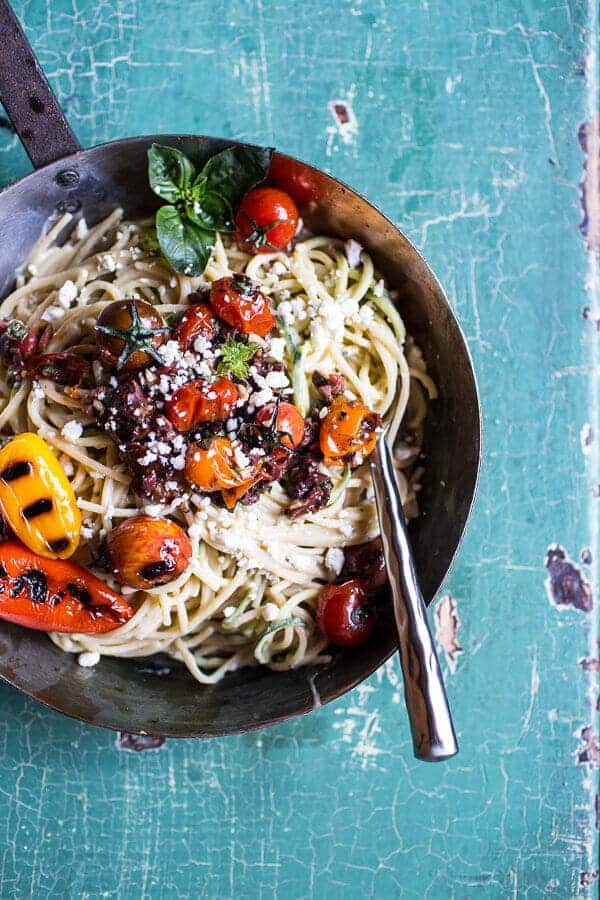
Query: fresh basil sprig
x=200 y=203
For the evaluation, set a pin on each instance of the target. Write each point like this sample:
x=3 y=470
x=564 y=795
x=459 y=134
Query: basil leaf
x=170 y=172
x=235 y=171
x=208 y=208
x=185 y=245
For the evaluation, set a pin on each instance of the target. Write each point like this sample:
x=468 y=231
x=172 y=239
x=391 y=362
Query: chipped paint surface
x=463 y=122
x=447 y=624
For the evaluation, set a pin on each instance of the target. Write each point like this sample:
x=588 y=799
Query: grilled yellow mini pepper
x=36 y=498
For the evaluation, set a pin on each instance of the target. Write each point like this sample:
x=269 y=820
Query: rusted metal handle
x=429 y=715
x=28 y=98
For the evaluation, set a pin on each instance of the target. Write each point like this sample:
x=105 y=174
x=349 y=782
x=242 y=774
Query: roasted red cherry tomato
x=198 y=402
x=266 y=220
x=239 y=302
x=342 y=614
x=146 y=552
x=348 y=433
x=56 y=594
x=197 y=321
x=289 y=424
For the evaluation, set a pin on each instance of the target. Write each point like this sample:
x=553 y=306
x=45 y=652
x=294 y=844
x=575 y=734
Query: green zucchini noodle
x=250 y=593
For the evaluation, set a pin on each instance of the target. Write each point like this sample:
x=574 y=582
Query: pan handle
x=28 y=98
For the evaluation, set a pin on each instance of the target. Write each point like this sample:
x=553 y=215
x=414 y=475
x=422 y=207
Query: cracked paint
x=589 y=139
x=590 y=751
x=447 y=624
x=565 y=584
x=138 y=743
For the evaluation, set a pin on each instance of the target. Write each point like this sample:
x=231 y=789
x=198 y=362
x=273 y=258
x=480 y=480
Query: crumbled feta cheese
x=170 y=352
x=81 y=230
x=260 y=398
x=68 y=468
x=154 y=510
x=277 y=349
x=334 y=560
x=88 y=658
x=72 y=430
x=353 y=250
x=276 y=380
x=378 y=289
x=278 y=268
x=67 y=293
x=366 y=313
x=108 y=262
x=270 y=612
x=323 y=412
x=53 y=313
x=229 y=611
x=284 y=311
x=241 y=460
x=173 y=283
x=38 y=391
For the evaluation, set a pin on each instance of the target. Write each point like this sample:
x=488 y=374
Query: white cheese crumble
x=170 y=352
x=270 y=612
x=88 y=658
x=72 y=430
x=378 y=289
x=67 y=293
x=262 y=397
x=276 y=380
x=353 y=250
x=277 y=349
x=81 y=230
x=334 y=560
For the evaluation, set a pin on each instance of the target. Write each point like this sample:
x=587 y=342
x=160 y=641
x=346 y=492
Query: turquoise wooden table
x=469 y=124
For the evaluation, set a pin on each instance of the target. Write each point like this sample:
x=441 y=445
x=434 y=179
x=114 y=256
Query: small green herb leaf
x=235 y=358
x=235 y=171
x=170 y=172
x=185 y=245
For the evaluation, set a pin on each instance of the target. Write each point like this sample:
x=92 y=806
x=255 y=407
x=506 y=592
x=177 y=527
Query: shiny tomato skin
x=289 y=424
x=213 y=468
x=199 y=401
x=198 y=320
x=266 y=220
x=342 y=615
x=238 y=301
x=348 y=432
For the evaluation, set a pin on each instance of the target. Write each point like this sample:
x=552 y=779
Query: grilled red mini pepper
x=55 y=594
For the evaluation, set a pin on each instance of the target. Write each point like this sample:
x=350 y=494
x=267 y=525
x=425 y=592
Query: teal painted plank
x=466 y=120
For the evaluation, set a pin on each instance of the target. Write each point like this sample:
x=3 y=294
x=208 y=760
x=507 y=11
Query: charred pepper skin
x=36 y=498
x=56 y=595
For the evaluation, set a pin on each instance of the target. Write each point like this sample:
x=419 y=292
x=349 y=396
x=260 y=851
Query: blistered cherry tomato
x=199 y=401
x=266 y=220
x=342 y=614
x=146 y=552
x=213 y=468
x=289 y=424
x=348 y=432
x=129 y=333
x=197 y=321
x=239 y=302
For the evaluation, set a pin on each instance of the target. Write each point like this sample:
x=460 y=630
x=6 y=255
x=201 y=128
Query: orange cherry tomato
x=197 y=321
x=266 y=220
x=347 y=433
x=240 y=303
x=214 y=469
x=145 y=552
x=289 y=423
x=202 y=401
